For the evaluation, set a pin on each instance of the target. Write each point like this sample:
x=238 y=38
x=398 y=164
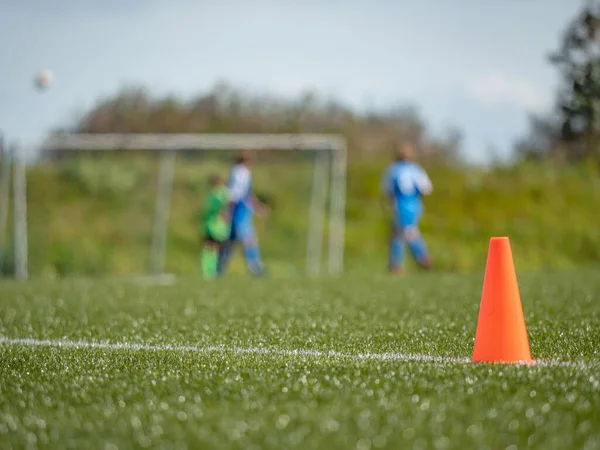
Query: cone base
x=528 y=362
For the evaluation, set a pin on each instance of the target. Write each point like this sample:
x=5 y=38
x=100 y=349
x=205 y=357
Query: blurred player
x=244 y=204
x=404 y=183
x=214 y=224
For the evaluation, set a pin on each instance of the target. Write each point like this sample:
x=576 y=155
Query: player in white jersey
x=244 y=205
x=404 y=183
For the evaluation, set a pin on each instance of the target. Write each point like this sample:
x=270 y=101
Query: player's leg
x=216 y=232
x=417 y=244
x=209 y=259
x=396 y=248
x=226 y=250
x=252 y=255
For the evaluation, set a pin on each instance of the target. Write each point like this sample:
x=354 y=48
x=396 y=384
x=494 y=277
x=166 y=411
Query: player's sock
x=224 y=257
x=396 y=254
x=209 y=261
x=253 y=259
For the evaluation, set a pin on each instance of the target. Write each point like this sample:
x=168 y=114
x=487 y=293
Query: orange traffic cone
x=501 y=335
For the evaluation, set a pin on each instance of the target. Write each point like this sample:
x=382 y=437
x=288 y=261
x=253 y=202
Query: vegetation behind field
x=95 y=216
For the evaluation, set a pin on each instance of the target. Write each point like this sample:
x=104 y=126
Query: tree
x=225 y=109
x=543 y=138
x=578 y=60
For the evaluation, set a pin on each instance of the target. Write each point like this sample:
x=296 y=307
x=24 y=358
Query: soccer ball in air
x=43 y=79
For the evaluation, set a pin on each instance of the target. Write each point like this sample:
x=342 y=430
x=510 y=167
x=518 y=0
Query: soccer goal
x=327 y=154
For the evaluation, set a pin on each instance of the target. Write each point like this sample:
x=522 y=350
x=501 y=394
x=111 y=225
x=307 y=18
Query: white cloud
x=499 y=89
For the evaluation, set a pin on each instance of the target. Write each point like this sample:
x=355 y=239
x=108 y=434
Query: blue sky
x=478 y=65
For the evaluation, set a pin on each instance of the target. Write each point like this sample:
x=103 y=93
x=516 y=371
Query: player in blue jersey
x=243 y=206
x=404 y=183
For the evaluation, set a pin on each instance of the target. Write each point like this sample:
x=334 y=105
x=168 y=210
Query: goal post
x=5 y=172
x=329 y=172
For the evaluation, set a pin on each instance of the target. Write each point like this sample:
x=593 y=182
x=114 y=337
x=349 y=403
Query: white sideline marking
x=29 y=342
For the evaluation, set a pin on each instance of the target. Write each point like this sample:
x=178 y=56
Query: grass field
x=379 y=363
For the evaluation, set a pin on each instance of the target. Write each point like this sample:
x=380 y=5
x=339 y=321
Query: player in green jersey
x=214 y=225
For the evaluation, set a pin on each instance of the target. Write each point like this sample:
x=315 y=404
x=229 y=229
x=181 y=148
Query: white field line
x=28 y=342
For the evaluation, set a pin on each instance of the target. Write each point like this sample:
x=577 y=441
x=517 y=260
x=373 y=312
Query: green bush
x=101 y=179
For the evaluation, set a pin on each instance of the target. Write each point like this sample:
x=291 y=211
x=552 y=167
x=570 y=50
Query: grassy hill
x=94 y=216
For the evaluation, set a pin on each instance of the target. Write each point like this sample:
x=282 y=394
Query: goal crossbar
x=182 y=142
x=169 y=144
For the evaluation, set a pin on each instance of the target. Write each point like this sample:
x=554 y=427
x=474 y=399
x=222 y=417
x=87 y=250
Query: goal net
x=89 y=197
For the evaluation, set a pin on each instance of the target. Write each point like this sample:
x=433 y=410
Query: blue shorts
x=242 y=231
x=406 y=221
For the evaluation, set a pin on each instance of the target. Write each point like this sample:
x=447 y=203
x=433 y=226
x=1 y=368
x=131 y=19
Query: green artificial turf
x=236 y=396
